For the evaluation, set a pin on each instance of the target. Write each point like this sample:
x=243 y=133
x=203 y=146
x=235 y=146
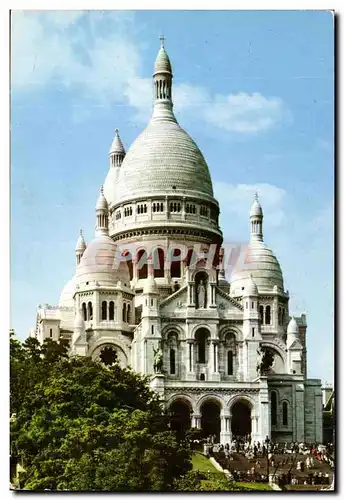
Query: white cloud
x=96 y=53
x=237 y=200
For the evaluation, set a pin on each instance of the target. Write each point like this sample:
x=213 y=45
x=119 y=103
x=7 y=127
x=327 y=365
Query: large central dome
x=163 y=158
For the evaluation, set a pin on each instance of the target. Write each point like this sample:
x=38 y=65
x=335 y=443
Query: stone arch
x=247 y=399
x=280 y=364
x=123 y=356
x=199 y=326
x=202 y=268
x=241 y=409
x=184 y=397
x=224 y=330
x=212 y=397
x=170 y=329
x=210 y=409
x=180 y=413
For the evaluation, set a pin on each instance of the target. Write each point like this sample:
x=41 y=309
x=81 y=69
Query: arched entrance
x=241 y=419
x=180 y=417
x=210 y=419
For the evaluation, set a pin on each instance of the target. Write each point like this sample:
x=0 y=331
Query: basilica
x=157 y=290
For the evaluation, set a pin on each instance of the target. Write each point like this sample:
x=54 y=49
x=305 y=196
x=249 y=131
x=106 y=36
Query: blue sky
x=253 y=89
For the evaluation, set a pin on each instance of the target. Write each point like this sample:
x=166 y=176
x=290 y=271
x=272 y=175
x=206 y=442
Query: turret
x=80 y=247
x=251 y=330
x=102 y=214
x=294 y=348
x=79 y=342
x=117 y=151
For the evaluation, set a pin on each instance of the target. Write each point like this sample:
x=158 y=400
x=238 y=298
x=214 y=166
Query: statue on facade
x=259 y=361
x=202 y=295
x=158 y=360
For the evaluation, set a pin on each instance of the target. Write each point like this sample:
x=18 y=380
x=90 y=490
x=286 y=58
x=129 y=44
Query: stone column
x=192 y=293
x=196 y=420
x=226 y=434
x=190 y=361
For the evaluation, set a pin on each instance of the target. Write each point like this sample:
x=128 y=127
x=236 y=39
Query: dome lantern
x=163 y=106
x=256 y=220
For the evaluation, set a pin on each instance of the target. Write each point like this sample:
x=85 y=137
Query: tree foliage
x=82 y=426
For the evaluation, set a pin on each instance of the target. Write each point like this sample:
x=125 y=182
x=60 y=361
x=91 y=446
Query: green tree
x=83 y=426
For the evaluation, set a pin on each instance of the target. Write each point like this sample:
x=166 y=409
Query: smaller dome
x=80 y=244
x=162 y=62
x=67 y=294
x=102 y=204
x=117 y=145
x=292 y=327
x=150 y=286
x=99 y=264
x=256 y=209
x=251 y=289
x=79 y=323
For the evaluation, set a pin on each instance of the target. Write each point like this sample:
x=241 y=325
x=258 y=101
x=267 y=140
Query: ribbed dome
x=261 y=263
x=163 y=158
x=162 y=62
x=99 y=264
x=67 y=294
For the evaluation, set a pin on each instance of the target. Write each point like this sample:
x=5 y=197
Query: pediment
x=295 y=346
x=225 y=302
x=175 y=302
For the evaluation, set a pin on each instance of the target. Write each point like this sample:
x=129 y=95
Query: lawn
x=255 y=486
x=202 y=463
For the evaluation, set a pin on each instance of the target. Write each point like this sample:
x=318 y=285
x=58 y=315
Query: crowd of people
x=284 y=463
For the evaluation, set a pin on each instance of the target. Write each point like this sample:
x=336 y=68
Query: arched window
x=89 y=311
x=158 y=263
x=128 y=313
x=230 y=363
x=176 y=263
x=111 y=311
x=129 y=260
x=104 y=310
x=201 y=340
x=273 y=408
x=285 y=413
x=283 y=316
x=190 y=258
x=142 y=264
x=267 y=315
x=84 y=312
x=124 y=312
x=261 y=314
x=152 y=329
x=280 y=316
x=172 y=361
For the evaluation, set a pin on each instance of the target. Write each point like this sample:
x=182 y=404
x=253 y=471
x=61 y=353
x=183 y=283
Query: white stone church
x=153 y=291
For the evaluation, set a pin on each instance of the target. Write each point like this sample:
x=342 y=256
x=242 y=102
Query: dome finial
x=256 y=196
x=162 y=41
